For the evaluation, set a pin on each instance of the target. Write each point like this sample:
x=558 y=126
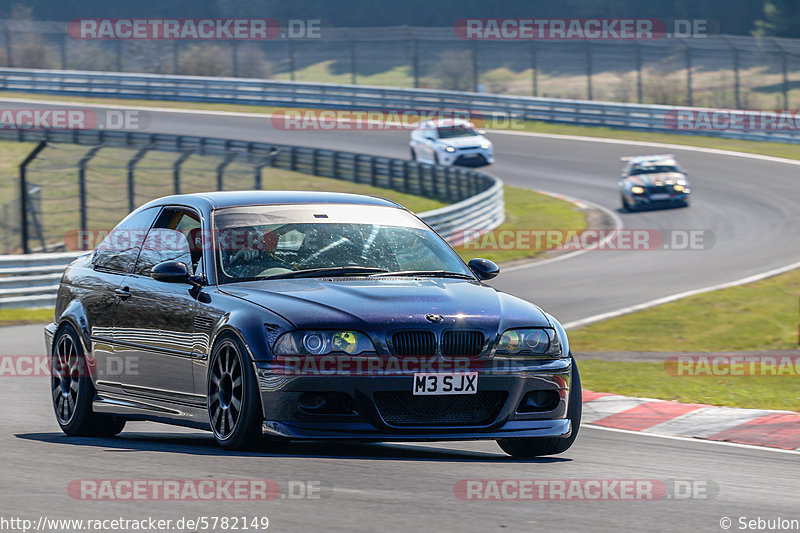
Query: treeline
x=737 y=17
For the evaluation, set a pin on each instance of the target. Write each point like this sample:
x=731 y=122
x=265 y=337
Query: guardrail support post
x=291 y=60
x=475 y=66
x=82 y=188
x=415 y=62
x=23 y=194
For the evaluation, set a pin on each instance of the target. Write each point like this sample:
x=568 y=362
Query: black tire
x=413 y=155
x=436 y=158
x=72 y=390
x=536 y=446
x=234 y=403
x=625 y=205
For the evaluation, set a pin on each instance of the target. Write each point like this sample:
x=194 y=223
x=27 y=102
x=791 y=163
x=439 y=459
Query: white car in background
x=450 y=142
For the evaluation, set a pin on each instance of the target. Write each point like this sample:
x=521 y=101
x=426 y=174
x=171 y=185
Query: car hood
x=376 y=304
x=656 y=178
x=462 y=142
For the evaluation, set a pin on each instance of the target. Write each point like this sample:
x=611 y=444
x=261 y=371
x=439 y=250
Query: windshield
x=456 y=131
x=260 y=242
x=654 y=169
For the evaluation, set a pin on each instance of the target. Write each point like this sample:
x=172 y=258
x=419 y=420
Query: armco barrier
x=248 y=91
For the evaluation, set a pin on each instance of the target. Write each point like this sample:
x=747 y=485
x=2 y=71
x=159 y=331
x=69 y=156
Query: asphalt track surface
x=749 y=205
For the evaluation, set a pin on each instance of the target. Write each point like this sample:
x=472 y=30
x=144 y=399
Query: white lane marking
x=689 y=439
x=667 y=299
x=609 y=405
x=707 y=421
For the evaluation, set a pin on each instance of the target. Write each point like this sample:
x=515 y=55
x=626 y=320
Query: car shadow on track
x=200 y=444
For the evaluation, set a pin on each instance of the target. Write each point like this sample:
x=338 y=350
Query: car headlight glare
x=533 y=341
x=678 y=187
x=637 y=190
x=486 y=146
x=449 y=149
x=298 y=343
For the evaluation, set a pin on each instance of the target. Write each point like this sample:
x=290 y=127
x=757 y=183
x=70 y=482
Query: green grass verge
x=788 y=151
x=13 y=317
x=757 y=316
x=650 y=380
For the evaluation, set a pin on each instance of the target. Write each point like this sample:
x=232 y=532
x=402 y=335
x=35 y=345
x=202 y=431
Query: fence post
x=82 y=188
x=131 y=185
x=291 y=60
x=589 y=70
x=176 y=171
x=352 y=62
x=175 y=63
x=119 y=55
x=475 y=66
x=9 y=56
x=221 y=169
x=638 y=57
x=63 y=49
x=23 y=194
x=535 y=68
x=785 y=69
x=688 y=52
x=415 y=62
x=235 y=53
x=735 y=52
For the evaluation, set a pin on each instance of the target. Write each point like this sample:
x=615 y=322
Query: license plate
x=458 y=383
x=662 y=196
x=468 y=156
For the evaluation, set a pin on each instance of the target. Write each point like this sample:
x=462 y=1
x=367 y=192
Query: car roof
x=446 y=123
x=640 y=159
x=222 y=199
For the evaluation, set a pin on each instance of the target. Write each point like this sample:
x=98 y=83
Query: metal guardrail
x=477 y=197
x=245 y=91
x=32 y=280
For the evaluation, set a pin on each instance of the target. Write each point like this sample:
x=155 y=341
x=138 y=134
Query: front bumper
x=284 y=417
x=647 y=199
x=468 y=158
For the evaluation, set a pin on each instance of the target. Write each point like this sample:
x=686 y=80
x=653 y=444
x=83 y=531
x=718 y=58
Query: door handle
x=123 y=293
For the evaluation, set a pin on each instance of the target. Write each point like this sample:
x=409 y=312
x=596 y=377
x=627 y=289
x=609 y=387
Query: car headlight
x=323 y=343
x=533 y=341
x=678 y=187
x=449 y=149
x=486 y=146
x=637 y=190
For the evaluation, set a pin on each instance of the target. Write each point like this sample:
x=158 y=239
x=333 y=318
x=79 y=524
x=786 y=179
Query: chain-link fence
x=715 y=71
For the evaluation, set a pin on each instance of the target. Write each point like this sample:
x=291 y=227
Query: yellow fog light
x=345 y=341
x=637 y=190
x=678 y=187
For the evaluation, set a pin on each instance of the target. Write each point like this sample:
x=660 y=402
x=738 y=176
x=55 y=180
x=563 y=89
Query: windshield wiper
x=328 y=271
x=425 y=273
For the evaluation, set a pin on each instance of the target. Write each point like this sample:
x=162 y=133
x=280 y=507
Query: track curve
x=749 y=204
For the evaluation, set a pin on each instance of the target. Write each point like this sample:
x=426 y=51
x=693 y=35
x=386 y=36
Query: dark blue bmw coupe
x=272 y=316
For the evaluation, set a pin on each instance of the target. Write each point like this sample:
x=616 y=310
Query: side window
x=120 y=248
x=174 y=237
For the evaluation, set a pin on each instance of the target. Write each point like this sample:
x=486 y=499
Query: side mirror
x=483 y=268
x=171 y=272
